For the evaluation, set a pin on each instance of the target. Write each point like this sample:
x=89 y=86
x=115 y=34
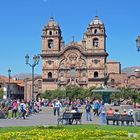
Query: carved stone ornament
x=73 y=59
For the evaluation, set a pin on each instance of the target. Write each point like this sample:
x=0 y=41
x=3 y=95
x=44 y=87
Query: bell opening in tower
x=50 y=43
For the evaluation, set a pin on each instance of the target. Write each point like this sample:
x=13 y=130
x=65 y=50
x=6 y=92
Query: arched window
x=95 y=42
x=112 y=82
x=50 y=43
x=49 y=75
x=95 y=31
x=50 y=32
x=95 y=74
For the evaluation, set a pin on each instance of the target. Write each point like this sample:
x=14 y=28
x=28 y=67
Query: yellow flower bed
x=65 y=134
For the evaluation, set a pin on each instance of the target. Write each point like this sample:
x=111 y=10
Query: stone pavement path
x=45 y=117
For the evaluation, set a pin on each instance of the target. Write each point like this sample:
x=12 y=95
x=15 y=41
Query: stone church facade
x=81 y=63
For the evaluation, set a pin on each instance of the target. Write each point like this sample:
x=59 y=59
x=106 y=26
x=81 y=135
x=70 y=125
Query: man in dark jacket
x=88 y=111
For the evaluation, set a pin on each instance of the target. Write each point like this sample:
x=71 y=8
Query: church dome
x=96 y=21
x=52 y=23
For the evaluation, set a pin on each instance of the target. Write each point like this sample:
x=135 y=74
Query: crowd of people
x=97 y=108
x=10 y=109
x=92 y=108
x=22 y=109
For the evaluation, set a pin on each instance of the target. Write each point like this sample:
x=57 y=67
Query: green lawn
x=133 y=129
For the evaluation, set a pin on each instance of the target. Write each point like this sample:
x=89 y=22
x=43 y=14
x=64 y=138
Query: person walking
x=96 y=107
x=57 y=105
x=102 y=113
x=14 y=109
x=88 y=111
x=23 y=109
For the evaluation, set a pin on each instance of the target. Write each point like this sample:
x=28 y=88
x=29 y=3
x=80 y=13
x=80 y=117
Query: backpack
x=22 y=108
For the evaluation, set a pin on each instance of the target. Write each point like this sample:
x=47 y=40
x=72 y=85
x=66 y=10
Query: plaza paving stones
x=45 y=117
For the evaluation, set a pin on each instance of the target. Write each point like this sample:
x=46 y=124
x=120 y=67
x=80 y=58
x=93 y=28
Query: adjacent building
x=13 y=88
x=28 y=88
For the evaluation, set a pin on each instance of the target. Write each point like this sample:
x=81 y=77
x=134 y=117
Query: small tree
x=1 y=93
x=72 y=91
x=136 y=96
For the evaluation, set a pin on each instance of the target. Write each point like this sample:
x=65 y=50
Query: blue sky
x=21 y=23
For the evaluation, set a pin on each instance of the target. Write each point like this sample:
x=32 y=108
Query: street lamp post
x=105 y=75
x=35 y=62
x=9 y=76
x=138 y=43
x=138 y=49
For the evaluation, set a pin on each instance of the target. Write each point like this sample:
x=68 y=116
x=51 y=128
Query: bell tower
x=95 y=36
x=51 y=37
